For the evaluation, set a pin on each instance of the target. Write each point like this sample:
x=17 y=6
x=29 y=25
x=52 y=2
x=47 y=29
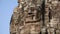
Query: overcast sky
x=6 y=10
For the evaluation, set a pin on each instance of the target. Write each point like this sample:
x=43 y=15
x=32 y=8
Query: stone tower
x=36 y=17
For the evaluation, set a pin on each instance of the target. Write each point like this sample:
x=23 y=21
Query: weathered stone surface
x=36 y=17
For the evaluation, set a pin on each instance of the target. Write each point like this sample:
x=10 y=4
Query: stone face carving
x=36 y=17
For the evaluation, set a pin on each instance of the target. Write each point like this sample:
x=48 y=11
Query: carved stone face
x=31 y=7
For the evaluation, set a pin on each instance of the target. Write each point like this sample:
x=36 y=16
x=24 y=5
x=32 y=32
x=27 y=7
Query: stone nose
x=30 y=12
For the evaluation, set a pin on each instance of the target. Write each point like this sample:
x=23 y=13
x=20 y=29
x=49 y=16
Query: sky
x=6 y=11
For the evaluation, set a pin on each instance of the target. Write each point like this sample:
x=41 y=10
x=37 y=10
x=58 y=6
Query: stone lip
x=33 y=28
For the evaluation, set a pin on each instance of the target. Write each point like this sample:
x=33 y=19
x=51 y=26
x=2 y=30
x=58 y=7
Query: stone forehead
x=28 y=0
